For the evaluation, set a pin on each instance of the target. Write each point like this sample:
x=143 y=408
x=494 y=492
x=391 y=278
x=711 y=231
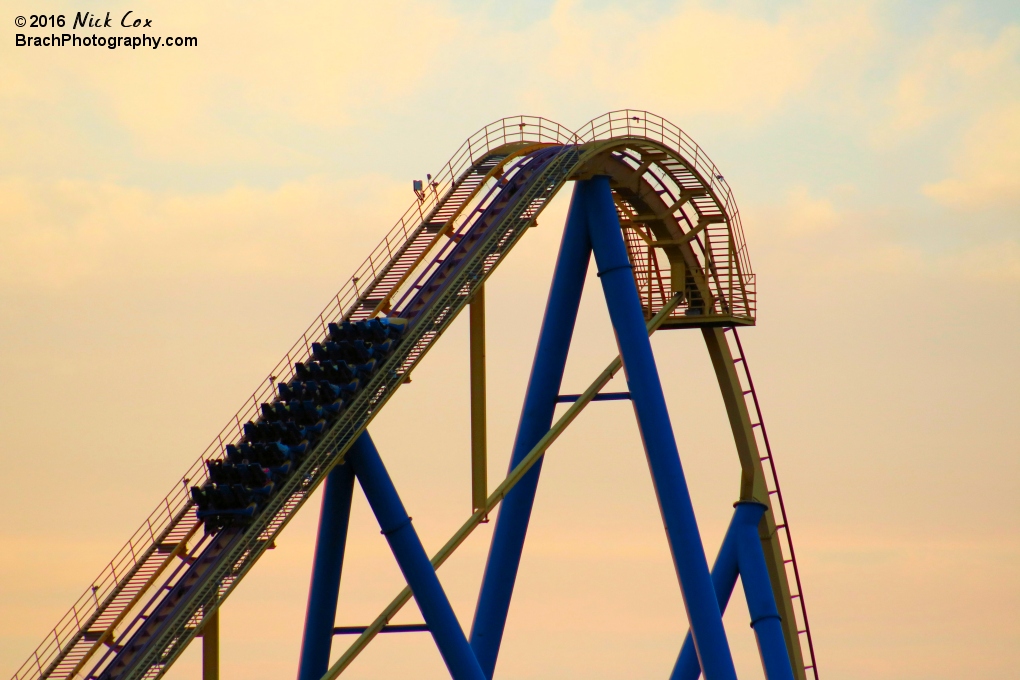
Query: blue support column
x=761 y=601
x=413 y=561
x=675 y=504
x=320 y=617
x=724 y=578
x=741 y=553
x=536 y=419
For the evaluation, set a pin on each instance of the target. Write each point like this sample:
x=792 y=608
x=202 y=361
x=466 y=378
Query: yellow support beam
x=753 y=486
x=211 y=647
x=479 y=464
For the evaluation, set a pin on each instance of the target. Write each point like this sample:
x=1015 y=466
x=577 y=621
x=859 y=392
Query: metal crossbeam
x=604 y=396
x=392 y=628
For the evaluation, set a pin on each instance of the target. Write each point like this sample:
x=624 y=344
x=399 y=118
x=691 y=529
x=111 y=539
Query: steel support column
x=621 y=294
x=320 y=616
x=761 y=603
x=724 y=577
x=753 y=487
x=413 y=561
x=211 y=647
x=479 y=458
x=536 y=419
x=741 y=554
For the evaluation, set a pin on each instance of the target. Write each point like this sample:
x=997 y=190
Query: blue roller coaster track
x=664 y=229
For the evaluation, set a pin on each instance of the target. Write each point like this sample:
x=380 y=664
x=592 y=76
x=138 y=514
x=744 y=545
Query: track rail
x=74 y=637
x=175 y=622
x=140 y=613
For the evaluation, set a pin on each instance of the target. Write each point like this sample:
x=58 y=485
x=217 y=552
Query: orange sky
x=171 y=221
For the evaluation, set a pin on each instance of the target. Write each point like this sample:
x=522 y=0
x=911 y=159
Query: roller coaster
x=665 y=232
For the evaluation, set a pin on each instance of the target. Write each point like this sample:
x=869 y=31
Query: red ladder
x=772 y=484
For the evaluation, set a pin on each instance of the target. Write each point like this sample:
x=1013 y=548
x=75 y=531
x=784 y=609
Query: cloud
x=829 y=235
x=259 y=71
x=69 y=232
x=987 y=166
x=800 y=215
x=952 y=70
x=140 y=182
x=700 y=60
x=807 y=214
x=988 y=262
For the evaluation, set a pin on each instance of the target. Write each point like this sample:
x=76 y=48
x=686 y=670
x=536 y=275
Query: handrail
x=161 y=521
x=244 y=548
x=639 y=123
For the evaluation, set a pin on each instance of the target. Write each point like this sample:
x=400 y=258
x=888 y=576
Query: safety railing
x=239 y=557
x=110 y=581
x=516 y=129
x=636 y=123
x=174 y=506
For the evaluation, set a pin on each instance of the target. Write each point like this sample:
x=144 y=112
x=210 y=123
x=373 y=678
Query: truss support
x=536 y=419
x=741 y=554
x=320 y=616
x=413 y=561
x=479 y=463
x=211 y=647
x=628 y=320
x=753 y=486
x=498 y=494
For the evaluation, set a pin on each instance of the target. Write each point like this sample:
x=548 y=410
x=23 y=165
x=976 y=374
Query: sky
x=171 y=220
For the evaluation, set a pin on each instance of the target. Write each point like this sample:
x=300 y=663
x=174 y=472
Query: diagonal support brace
x=413 y=560
x=536 y=417
x=741 y=554
x=494 y=499
x=617 y=277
